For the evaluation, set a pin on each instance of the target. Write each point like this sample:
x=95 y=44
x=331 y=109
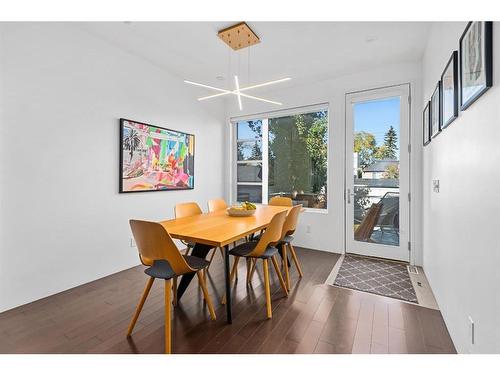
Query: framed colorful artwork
x=153 y=158
x=476 y=61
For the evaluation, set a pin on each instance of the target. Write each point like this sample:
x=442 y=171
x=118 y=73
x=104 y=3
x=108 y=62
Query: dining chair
x=274 y=201
x=263 y=249
x=289 y=228
x=280 y=201
x=285 y=242
x=158 y=251
x=184 y=210
x=216 y=205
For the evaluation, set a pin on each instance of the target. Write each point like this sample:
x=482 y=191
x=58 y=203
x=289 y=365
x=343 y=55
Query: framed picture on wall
x=476 y=61
x=426 y=117
x=449 y=91
x=154 y=158
x=435 y=111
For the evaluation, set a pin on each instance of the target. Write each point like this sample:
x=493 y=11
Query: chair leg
x=203 y=285
x=268 y=289
x=140 y=305
x=278 y=272
x=168 y=334
x=174 y=288
x=285 y=266
x=211 y=258
x=249 y=268
x=231 y=277
x=295 y=259
x=252 y=270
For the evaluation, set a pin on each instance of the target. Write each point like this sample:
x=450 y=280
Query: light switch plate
x=435 y=186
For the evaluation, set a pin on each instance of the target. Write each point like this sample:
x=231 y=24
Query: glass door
x=377 y=173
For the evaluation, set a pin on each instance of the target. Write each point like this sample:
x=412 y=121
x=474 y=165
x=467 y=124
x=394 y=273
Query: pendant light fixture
x=237 y=37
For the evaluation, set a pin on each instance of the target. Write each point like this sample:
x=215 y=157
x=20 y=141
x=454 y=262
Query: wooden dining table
x=218 y=229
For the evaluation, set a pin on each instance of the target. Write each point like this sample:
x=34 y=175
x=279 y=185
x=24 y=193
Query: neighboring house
x=378 y=168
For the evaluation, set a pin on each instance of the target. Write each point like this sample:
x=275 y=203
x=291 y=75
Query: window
x=249 y=161
x=283 y=155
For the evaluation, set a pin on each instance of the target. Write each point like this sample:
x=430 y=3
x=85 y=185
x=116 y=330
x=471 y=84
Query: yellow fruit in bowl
x=249 y=206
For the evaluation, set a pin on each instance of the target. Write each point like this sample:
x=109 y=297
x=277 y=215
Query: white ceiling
x=305 y=51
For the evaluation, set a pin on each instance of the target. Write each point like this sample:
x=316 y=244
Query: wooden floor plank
x=311 y=338
x=324 y=348
x=380 y=331
x=413 y=330
x=397 y=341
x=363 y=336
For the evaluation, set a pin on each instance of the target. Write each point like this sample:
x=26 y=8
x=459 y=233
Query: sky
x=376 y=117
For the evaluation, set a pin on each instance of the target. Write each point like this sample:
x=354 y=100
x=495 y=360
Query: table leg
x=229 y=317
x=199 y=251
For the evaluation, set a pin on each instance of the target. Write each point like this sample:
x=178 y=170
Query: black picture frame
x=449 y=72
x=435 y=111
x=486 y=63
x=120 y=166
x=426 y=124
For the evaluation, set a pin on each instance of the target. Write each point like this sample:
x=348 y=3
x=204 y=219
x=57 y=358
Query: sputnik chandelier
x=237 y=37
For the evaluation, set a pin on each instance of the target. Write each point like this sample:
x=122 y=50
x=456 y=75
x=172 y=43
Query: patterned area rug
x=376 y=276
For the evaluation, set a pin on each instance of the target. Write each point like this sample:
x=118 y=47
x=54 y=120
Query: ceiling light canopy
x=238 y=37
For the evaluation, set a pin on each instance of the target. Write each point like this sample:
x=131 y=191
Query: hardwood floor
x=315 y=318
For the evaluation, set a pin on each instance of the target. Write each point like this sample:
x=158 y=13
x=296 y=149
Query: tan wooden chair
x=187 y=209
x=263 y=249
x=216 y=205
x=286 y=241
x=184 y=210
x=158 y=251
x=280 y=201
x=274 y=201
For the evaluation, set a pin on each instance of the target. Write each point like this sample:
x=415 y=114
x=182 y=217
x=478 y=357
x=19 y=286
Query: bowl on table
x=237 y=211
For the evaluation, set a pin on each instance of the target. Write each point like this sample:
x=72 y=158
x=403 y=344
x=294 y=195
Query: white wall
x=62 y=92
x=461 y=222
x=327 y=229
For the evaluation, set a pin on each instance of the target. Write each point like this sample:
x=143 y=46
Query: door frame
x=403 y=252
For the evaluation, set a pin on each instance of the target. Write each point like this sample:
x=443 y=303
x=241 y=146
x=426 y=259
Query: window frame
x=264 y=117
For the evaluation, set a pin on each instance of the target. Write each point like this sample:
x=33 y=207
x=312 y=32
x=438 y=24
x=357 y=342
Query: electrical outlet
x=308 y=229
x=435 y=186
x=472 y=331
x=132 y=243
